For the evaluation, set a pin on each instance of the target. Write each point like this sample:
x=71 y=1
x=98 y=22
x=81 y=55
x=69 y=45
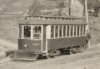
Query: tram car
x=49 y=36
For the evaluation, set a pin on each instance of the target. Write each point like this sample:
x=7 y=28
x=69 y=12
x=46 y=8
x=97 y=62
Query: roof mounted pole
x=86 y=12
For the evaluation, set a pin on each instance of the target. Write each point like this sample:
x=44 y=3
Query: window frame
x=37 y=33
x=67 y=30
x=24 y=32
x=21 y=32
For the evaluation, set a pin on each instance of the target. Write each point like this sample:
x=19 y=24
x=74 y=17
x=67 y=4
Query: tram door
x=37 y=37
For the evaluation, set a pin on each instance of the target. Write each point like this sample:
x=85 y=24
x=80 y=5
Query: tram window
x=78 y=30
x=37 y=32
x=81 y=29
x=71 y=32
x=67 y=30
x=84 y=29
x=60 y=31
x=64 y=31
x=27 y=32
x=52 y=31
x=37 y=29
x=74 y=30
x=56 y=31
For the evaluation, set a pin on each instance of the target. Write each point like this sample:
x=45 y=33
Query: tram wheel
x=83 y=47
x=73 y=50
x=64 y=51
x=51 y=55
x=40 y=56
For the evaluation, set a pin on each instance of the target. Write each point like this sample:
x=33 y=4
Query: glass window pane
x=81 y=29
x=74 y=30
x=37 y=29
x=52 y=31
x=84 y=29
x=36 y=32
x=71 y=30
x=64 y=31
x=68 y=30
x=78 y=30
x=27 y=32
x=60 y=31
x=56 y=31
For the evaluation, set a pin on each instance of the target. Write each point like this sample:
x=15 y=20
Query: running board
x=25 y=59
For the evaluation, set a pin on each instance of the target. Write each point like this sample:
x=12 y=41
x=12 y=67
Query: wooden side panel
x=30 y=45
x=66 y=42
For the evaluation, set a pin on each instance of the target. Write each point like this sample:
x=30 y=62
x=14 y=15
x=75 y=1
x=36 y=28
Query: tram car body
x=46 y=36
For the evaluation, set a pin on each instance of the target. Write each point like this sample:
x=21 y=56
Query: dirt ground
x=89 y=59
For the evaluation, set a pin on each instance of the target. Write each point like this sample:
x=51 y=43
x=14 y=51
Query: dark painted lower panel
x=66 y=42
x=30 y=45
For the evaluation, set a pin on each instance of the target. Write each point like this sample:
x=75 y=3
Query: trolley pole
x=86 y=12
x=87 y=20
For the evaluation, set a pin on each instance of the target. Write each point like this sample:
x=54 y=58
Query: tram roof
x=50 y=20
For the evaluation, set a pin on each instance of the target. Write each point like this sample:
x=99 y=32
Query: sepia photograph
x=49 y=34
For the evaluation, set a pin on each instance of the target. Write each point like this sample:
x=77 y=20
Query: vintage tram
x=43 y=36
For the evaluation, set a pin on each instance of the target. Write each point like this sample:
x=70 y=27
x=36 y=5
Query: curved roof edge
x=52 y=21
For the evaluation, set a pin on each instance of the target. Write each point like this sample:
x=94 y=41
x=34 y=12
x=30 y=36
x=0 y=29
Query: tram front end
x=29 y=42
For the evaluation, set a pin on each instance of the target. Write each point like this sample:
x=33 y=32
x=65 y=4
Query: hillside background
x=13 y=11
